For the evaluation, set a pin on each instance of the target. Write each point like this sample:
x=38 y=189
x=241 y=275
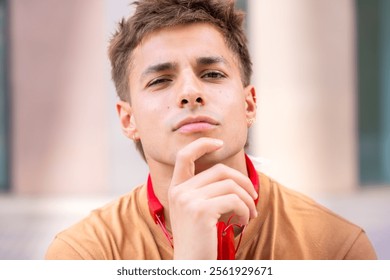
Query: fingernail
x=255 y=195
x=218 y=142
x=255 y=214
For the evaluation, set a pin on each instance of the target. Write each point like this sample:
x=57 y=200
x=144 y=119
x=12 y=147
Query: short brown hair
x=152 y=15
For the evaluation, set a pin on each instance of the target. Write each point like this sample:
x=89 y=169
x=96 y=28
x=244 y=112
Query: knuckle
x=230 y=183
x=220 y=168
x=182 y=200
x=235 y=199
x=183 y=155
x=172 y=192
x=174 y=195
x=177 y=198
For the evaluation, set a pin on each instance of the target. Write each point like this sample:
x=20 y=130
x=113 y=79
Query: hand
x=196 y=202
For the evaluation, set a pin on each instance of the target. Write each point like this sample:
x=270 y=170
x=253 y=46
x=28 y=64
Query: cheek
x=151 y=117
x=237 y=115
x=235 y=105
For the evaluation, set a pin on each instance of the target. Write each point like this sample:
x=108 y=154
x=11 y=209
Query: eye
x=158 y=81
x=213 y=75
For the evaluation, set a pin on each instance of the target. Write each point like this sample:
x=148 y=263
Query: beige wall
x=66 y=136
x=59 y=96
x=304 y=57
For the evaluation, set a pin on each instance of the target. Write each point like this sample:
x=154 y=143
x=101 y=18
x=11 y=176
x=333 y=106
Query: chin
x=209 y=160
x=205 y=162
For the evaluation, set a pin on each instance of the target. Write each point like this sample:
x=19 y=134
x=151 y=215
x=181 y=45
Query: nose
x=190 y=92
x=189 y=100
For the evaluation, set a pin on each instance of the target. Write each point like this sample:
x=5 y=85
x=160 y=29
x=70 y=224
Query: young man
x=182 y=72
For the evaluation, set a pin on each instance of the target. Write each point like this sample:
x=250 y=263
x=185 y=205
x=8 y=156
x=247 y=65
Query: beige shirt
x=289 y=226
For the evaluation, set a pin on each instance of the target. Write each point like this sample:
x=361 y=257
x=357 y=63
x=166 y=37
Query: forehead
x=183 y=41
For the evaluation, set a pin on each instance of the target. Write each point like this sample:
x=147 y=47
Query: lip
x=195 y=124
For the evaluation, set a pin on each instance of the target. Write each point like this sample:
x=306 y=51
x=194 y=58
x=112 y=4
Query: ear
x=127 y=120
x=250 y=104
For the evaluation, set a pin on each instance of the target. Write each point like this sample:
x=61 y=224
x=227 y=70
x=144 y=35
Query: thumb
x=186 y=157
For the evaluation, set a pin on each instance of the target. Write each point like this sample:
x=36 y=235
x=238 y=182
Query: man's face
x=185 y=83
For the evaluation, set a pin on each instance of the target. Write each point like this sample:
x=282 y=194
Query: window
x=4 y=111
x=243 y=6
x=374 y=91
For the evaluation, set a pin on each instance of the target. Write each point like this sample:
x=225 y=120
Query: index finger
x=186 y=157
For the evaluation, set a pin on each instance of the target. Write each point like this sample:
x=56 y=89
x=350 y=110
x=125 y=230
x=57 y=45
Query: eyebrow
x=203 y=61
x=156 y=68
x=209 y=60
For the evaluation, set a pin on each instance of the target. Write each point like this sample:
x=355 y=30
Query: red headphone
x=226 y=248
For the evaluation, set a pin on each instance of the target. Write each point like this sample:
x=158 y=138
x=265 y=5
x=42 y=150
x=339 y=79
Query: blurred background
x=322 y=73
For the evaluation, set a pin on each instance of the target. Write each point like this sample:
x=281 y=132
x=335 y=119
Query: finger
x=226 y=187
x=220 y=172
x=230 y=203
x=186 y=157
